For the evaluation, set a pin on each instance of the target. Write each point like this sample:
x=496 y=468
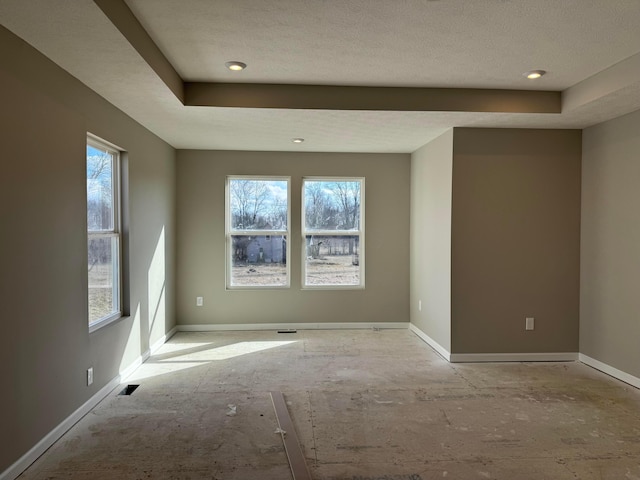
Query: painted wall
x=201 y=240
x=431 y=194
x=610 y=261
x=46 y=347
x=515 y=240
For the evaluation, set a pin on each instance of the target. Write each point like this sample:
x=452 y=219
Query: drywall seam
x=514 y=357
x=210 y=327
x=609 y=370
x=443 y=352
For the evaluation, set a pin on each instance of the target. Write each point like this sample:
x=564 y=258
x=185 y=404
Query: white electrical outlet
x=529 y=323
x=89 y=376
x=419 y=305
x=199 y=301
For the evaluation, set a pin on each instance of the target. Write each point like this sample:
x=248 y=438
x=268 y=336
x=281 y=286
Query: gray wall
x=201 y=240
x=610 y=261
x=431 y=190
x=46 y=348
x=515 y=240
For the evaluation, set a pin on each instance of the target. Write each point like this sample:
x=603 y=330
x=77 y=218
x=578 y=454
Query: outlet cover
x=89 y=376
x=529 y=323
x=199 y=301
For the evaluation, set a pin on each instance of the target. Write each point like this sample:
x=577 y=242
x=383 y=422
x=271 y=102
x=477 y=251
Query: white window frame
x=230 y=232
x=334 y=233
x=116 y=232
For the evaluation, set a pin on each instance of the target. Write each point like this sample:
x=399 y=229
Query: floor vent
x=128 y=390
x=287 y=331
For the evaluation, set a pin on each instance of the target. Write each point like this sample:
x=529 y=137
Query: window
x=333 y=232
x=103 y=231
x=257 y=232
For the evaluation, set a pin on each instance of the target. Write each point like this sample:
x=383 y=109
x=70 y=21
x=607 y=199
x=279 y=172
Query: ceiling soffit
x=337 y=116
x=323 y=97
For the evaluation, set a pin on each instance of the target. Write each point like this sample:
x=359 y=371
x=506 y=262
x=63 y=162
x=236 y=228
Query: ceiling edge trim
x=322 y=97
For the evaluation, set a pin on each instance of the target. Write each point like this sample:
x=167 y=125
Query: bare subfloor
x=366 y=404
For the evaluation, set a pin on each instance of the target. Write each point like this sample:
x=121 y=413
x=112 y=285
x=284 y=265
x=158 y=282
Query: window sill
x=244 y=288
x=106 y=321
x=332 y=287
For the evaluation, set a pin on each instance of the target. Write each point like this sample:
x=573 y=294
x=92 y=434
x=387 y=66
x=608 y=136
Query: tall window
x=333 y=232
x=104 y=236
x=257 y=232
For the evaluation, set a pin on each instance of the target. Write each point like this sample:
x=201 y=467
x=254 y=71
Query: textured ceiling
x=437 y=43
x=471 y=43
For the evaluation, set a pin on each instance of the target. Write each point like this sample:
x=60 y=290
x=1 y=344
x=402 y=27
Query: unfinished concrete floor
x=366 y=404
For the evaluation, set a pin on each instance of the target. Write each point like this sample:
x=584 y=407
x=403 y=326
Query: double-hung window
x=333 y=232
x=257 y=218
x=104 y=233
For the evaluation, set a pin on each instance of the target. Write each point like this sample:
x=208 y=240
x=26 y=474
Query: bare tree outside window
x=346 y=195
x=258 y=219
x=99 y=190
x=103 y=246
x=333 y=233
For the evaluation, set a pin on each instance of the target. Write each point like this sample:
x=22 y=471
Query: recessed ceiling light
x=533 y=74
x=236 y=66
x=297 y=140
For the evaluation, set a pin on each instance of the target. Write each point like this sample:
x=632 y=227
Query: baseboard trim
x=32 y=455
x=127 y=372
x=609 y=370
x=162 y=340
x=48 y=440
x=133 y=366
x=45 y=443
x=443 y=352
x=513 y=357
x=212 y=327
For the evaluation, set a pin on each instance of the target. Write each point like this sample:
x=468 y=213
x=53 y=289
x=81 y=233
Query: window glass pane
x=258 y=204
x=258 y=260
x=100 y=190
x=103 y=277
x=332 y=205
x=332 y=260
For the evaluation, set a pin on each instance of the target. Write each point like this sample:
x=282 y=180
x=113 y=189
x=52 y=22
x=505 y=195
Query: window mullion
x=255 y=233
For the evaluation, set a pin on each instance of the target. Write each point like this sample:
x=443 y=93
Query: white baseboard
x=431 y=342
x=32 y=455
x=514 y=357
x=492 y=357
x=212 y=327
x=609 y=370
x=162 y=340
x=133 y=366
x=127 y=372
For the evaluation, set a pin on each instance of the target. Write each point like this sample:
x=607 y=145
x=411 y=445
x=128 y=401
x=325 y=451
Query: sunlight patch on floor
x=156 y=367
x=228 y=351
x=153 y=369
x=177 y=347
